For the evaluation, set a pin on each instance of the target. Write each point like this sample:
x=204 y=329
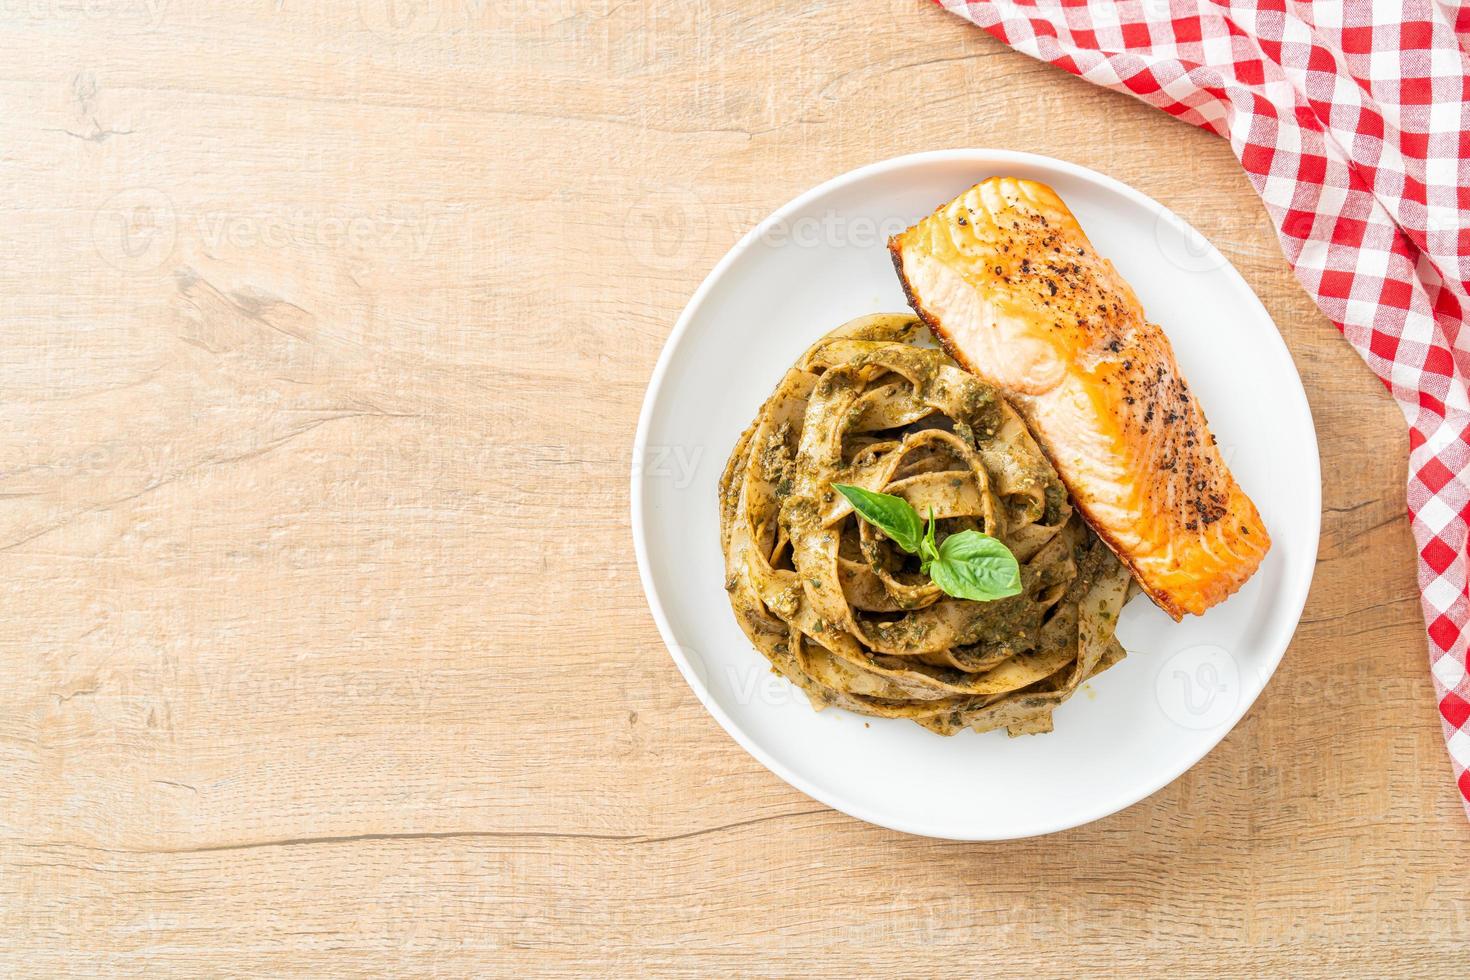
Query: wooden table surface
x=326 y=327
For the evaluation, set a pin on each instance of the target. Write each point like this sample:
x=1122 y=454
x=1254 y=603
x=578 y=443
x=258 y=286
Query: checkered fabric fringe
x=1352 y=120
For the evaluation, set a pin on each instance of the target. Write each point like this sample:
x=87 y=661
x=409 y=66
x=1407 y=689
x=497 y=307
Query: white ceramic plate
x=821 y=260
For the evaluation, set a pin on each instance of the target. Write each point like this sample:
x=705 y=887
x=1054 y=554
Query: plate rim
x=978 y=155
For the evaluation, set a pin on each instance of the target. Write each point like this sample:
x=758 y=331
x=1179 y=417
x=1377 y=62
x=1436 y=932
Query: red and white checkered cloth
x=1352 y=120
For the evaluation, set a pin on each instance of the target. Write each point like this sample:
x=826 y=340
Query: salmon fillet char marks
x=1011 y=286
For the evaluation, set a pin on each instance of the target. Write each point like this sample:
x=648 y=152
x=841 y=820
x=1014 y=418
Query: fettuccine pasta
x=847 y=616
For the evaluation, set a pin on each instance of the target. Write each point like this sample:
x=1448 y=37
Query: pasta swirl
x=846 y=615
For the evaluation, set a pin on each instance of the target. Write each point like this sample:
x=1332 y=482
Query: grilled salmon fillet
x=1011 y=286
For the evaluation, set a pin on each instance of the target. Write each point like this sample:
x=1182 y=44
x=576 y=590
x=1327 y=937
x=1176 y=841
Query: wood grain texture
x=325 y=331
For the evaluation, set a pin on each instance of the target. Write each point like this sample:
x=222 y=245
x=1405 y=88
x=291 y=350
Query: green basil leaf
x=889 y=514
x=928 y=550
x=976 y=566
